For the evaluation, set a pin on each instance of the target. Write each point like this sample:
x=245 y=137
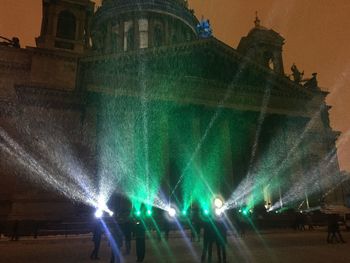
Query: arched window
x=268 y=60
x=66 y=25
x=129 y=35
x=158 y=37
x=143 y=30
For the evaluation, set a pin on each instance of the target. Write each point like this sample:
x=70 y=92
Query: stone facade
x=125 y=57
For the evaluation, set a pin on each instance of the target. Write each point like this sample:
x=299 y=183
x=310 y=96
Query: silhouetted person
x=166 y=229
x=194 y=237
x=116 y=243
x=295 y=224
x=221 y=240
x=330 y=228
x=15 y=231
x=36 y=229
x=160 y=228
x=127 y=231
x=195 y=227
x=96 y=238
x=333 y=229
x=309 y=222
x=208 y=240
x=301 y=222
x=241 y=226
x=205 y=241
x=140 y=239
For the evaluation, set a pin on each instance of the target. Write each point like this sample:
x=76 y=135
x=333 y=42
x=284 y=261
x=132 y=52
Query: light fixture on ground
x=219 y=211
x=245 y=211
x=172 y=212
x=98 y=213
x=149 y=212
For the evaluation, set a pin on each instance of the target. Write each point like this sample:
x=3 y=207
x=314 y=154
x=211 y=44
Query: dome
x=122 y=25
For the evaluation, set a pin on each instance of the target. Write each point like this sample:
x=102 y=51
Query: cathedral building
x=133 y=98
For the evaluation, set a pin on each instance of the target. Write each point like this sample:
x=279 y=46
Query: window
x=271 y=64
x=143 y=29
x=269 y=60
x=66 y=25
x=129 y=37
x=115 y=37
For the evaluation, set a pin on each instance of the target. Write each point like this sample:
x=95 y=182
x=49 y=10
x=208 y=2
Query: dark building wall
x=245 y=116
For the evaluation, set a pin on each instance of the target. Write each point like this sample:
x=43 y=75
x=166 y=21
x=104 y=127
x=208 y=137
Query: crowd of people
x=211 y=230
x=333 y=226
x=214 y=231
x=120 y=233
x=208 y=229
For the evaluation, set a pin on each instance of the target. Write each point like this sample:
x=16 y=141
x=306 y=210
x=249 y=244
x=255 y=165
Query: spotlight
x=149 y=212
x=218 y=211
x=218 y=202
x=206 y=211
x=98 y=213
x=184 y=212
x=172 y=212
x=138 y=213
x=110 y=213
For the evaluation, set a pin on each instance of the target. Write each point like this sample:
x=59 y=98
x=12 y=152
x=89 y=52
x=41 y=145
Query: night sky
x=317 y=34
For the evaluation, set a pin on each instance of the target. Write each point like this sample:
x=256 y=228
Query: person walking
x=116 y=240
x=96 y=238
x=140 y=239
x=309 y=221
x=221 y=240
x=127 y=231
x=208 y=240
x=334 y=230
x=337 y=229
x=15 y=231
x=196 y=226
x=205 y=241
x=166 y=229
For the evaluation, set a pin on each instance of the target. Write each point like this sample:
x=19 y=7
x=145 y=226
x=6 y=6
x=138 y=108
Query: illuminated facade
x=135 y=93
